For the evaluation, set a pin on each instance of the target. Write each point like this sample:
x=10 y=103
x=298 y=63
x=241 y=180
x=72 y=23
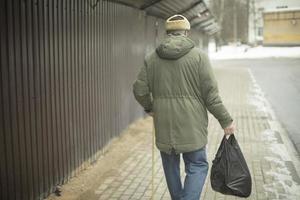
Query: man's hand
x=229 y=129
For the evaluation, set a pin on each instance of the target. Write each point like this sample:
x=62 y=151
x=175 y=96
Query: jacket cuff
x=225 y=123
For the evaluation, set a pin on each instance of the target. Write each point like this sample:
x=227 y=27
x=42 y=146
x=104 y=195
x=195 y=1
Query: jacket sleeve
x=210 y=93
x=141 y=90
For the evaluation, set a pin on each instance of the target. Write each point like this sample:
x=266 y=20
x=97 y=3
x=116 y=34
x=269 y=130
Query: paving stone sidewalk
x=270 y=155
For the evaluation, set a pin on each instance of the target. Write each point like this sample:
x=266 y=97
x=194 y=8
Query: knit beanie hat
x=177 y=22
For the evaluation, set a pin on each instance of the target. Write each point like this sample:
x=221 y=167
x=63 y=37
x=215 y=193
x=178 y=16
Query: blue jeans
x=196 y=168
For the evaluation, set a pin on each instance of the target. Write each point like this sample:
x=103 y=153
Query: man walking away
x=177 y=86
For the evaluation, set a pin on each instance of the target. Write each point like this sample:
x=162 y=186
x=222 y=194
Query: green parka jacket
x=177 y=84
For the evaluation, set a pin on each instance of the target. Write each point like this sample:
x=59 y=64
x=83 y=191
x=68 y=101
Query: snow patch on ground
x=256 y=96
x=282 y=185
x=247 y=52
x=269 y=136
x=276 y=148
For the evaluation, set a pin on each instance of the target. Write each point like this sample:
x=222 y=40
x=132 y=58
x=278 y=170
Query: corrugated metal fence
x=66 y=73
x=67 y=68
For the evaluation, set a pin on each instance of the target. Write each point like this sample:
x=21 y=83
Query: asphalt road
x=279 y=78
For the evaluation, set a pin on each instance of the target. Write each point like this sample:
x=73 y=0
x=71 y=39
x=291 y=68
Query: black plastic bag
x=230 y=173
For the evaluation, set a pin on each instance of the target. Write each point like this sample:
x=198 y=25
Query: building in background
x=274 y=22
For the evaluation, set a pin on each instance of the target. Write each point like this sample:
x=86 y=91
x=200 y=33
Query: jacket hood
x=174 y=47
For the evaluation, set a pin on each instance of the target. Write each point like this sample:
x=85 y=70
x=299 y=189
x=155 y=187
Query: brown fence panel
x=67 y=68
